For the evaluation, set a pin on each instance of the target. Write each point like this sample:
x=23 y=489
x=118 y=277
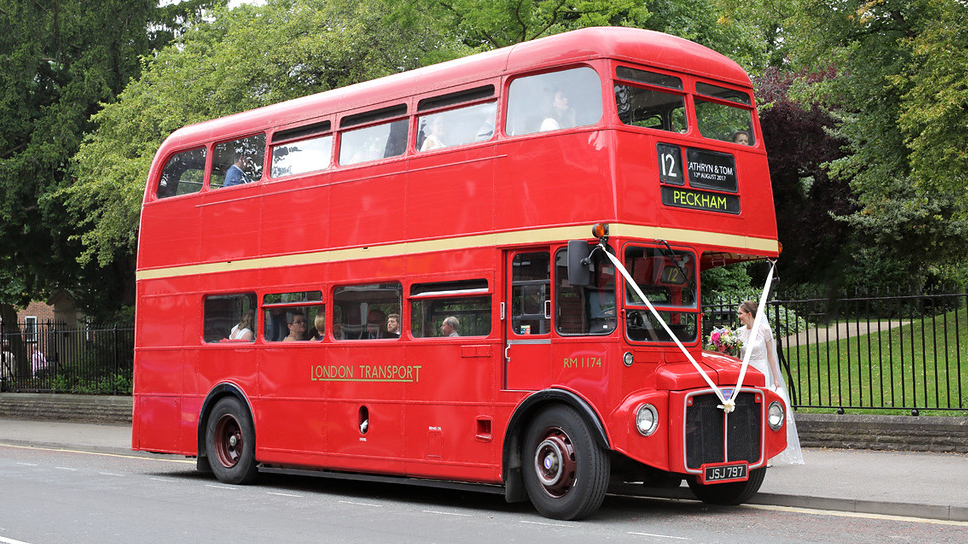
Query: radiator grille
x=705 y=424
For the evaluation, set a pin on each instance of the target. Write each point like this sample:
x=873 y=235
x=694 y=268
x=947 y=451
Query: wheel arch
x=217 y=393
x=517 y=425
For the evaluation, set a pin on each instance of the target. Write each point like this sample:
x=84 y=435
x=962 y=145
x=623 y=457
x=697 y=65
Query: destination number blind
x=704 y=170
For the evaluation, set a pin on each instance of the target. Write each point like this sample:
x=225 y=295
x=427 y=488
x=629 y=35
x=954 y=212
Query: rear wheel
x=565 y=471
x=230 y=442
x=729 y=494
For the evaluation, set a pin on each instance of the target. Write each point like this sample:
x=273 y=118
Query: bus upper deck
x=627 y=126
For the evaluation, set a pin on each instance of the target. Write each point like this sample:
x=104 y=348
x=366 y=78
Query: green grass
x=922 y=365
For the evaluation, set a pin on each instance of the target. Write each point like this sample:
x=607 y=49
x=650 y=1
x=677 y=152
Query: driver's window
x=584 y=309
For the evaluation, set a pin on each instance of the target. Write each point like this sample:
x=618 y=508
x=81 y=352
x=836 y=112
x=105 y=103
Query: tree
x=478 y=25
x=898 y=96
x=61 y=58
x=241 y=59
x=799 y=143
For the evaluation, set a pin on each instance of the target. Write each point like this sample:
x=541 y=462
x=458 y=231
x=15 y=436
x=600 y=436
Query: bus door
x=527 y=353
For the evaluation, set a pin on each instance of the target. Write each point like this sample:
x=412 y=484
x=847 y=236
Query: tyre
x=566 y=472
x=729 y=494
x=230 y=442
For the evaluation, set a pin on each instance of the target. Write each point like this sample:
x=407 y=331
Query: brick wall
x=40 y=310
x=78 y=408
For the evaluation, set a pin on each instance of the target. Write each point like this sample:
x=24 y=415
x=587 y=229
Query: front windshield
x=668 y=279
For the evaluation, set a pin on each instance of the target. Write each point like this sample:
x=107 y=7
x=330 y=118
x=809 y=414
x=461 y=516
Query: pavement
x=896 y=483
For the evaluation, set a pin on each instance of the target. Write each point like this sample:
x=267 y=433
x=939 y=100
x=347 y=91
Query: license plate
x=728 y=472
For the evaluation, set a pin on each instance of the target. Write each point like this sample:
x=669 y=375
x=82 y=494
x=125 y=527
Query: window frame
x=450 y=290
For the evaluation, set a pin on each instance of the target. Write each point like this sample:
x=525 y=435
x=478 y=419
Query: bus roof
x=631 y=44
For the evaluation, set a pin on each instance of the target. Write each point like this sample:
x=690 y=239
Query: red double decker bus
x=399 y=277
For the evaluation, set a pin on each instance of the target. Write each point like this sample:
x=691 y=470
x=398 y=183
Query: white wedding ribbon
x=757 y=321
x=635 y=287
x=728 y=405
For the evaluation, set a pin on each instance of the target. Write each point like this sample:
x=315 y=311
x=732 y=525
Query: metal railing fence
x=55 y=357
x=904 y=352
x=861 y=351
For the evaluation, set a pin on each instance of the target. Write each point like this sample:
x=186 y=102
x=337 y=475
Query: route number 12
x=670 y=164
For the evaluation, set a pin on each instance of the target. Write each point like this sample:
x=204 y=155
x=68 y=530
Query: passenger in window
x=236 y=173
x=450 y=326
x=243 y=330
x=435 y=131
x=296 y=322
x=320 y=324
x=741 y=137
x=562 y=116
x=374 y=325
x=393 y=326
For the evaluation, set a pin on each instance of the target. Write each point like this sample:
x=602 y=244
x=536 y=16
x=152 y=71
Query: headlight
x=646 y=419
x=776 y=415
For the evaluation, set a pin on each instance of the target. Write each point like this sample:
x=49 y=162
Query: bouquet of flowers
x=724 y=340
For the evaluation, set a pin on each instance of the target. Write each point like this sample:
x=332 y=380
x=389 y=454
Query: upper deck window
x=301 y=150
x=238 y=162
x=456 y=127
x=183 y=174
x=719 y=119
x=373 y=142
x=553 y=101
x=648 y=107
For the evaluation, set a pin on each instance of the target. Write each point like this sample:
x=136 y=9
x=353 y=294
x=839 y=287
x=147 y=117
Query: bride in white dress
x=764 y=359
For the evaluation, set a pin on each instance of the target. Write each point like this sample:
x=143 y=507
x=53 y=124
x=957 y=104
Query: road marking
x=658 y=536
x=284 y=494
x=856 y=515
x=66 y=468
x=97 y=453
x=362 y=504
x=546 y=524
x=6 y=540
x=446 y=513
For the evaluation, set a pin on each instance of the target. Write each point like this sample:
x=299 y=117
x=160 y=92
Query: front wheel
x=230 y=442
x=731 y=493
x=565 y=471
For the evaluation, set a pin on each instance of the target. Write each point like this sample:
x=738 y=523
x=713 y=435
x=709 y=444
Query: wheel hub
x=554 y=463
x=228 y=441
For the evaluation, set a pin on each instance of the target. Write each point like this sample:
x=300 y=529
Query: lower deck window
x=364 y=312
x=294 y=317
x=450 y=309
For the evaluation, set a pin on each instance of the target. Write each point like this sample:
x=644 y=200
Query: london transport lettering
x=367 y=373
